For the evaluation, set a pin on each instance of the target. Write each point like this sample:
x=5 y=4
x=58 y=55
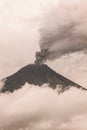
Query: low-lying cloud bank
x=35 y=108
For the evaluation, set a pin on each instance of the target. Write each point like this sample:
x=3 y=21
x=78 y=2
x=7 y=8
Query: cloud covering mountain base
x=35 y=108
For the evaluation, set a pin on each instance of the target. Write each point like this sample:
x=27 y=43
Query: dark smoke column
x=41 y=57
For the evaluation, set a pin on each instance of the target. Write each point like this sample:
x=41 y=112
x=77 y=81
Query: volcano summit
x=37 y=74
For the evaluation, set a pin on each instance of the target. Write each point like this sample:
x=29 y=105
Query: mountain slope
x=37 y=75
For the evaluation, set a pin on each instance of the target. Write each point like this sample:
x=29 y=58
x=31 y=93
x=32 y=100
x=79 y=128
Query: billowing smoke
x=64 y=30
x=41 y=56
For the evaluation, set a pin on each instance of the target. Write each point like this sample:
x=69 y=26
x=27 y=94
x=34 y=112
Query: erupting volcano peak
x=37 y=74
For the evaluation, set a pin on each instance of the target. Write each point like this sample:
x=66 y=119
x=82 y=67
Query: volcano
x=37 y=74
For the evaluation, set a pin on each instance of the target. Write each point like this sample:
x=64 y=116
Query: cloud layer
x=43 y=109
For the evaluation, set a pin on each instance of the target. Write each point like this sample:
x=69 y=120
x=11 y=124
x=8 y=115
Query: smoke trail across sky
x=64 y=29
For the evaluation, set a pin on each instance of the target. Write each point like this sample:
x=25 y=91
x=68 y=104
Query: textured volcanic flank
x=37 y=75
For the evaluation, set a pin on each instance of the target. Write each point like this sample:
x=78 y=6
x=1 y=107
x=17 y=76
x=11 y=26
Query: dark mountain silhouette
x=37 y=74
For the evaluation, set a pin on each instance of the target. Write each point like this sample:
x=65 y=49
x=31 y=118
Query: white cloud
x=43 y=109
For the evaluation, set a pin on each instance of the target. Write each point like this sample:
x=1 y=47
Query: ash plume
x=41 y=56
x=63 y=31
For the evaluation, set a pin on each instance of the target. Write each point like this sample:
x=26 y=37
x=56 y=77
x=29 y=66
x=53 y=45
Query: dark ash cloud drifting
x=64 y=29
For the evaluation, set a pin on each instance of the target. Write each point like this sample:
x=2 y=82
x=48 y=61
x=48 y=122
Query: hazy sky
x=19 y=23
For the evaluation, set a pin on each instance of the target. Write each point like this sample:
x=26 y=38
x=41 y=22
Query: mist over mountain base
x=42 y=108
